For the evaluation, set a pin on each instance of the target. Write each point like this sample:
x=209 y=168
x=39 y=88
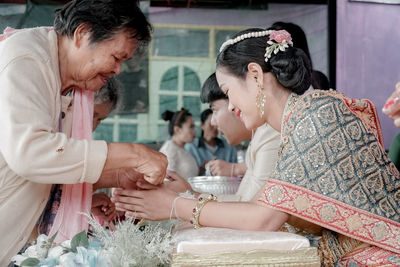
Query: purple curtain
x=368 y=56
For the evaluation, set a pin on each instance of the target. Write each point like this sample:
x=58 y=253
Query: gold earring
x=260 y=100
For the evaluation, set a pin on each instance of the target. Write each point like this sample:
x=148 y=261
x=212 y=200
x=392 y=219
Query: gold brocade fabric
x=332 y=248
x=301 y=257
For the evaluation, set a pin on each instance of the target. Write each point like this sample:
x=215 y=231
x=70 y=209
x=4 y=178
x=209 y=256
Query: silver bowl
x=219 y=185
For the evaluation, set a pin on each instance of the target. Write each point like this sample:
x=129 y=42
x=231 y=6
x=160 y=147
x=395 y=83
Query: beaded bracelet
x=197 y=209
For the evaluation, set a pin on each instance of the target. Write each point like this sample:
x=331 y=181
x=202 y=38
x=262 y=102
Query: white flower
x=56 y=252
x=31 y=252
x=17 y=259
x=42 y=246
x=66 y=244
x=67 y=260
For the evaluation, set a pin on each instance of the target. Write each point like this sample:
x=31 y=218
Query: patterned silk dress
x=333 y=172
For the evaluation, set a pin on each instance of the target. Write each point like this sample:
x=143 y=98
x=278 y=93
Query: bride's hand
x=152 y=205
x=176 y=183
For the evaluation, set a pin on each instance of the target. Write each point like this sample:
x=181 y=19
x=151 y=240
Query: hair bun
x=292 y=69
x=167 y=115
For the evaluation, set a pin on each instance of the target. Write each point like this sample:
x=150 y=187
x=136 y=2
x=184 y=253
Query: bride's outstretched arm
x=162 y=203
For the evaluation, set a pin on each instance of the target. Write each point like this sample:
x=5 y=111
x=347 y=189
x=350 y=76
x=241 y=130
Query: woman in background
x=181 y=129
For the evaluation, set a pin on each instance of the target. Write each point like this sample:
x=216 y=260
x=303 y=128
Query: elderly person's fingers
x=172 y=176
x=128 y=177
x=144 y=185
x=154 y=167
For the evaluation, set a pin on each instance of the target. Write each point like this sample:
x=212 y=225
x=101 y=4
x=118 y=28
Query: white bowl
x=219 y=185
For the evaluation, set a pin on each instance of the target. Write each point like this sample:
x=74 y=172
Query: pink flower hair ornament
x=278 y=41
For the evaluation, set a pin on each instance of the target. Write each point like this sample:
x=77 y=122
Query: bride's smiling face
x=242 y=97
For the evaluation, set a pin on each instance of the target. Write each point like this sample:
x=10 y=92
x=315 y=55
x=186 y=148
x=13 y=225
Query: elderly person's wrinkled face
x=95 y=63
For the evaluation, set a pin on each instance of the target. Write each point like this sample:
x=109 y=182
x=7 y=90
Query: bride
x=332 y=177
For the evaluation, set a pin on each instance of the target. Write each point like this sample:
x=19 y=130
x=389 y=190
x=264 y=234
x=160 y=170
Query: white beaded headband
x=278 y=41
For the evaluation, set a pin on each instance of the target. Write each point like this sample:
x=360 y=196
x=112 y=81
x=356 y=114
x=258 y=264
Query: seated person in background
x=262 y=151
x=182 y=131
x=318 y=79
x=105 y=101
x=209 y=146
x=228 y=125
x=261 y=155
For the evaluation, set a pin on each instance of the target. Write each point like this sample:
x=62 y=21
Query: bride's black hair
x=291 y=67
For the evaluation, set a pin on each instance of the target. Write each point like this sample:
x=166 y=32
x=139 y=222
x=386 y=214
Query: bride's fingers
x=127 y=200
x=127 y=207
x=129 y=193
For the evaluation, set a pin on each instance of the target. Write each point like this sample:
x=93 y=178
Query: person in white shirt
x=182 y=130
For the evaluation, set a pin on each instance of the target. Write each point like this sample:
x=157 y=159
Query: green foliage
x=30 y=262
x=79 y=240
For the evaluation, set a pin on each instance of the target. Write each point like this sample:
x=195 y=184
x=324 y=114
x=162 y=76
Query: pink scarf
x=76 y=198
x=7 y=33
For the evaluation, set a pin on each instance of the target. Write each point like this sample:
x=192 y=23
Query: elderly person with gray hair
x=105 y=101
x=89 y=42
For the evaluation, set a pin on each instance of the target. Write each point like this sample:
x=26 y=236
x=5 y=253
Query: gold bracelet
x=197 y=209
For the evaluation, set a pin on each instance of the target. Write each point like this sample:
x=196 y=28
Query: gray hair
x=108 y=93
x=105 y=18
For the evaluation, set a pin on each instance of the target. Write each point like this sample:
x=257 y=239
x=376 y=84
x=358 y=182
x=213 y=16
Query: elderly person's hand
x=392 y=106
x=103 y=207
x=128 y=178
x=150 y=163
x=153 y=165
